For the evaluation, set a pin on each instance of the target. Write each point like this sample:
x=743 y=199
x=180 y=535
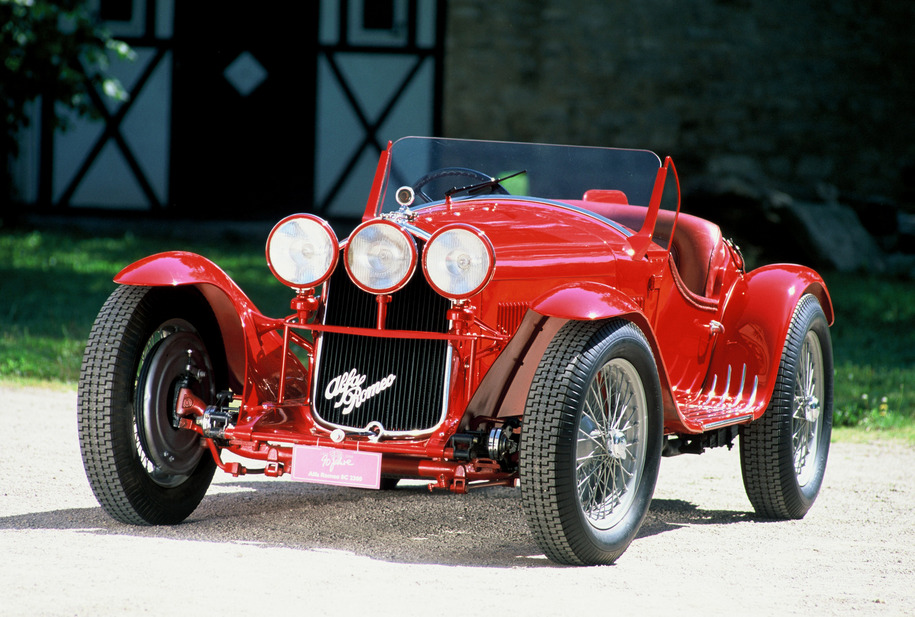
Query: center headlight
x=380 y=257
x=302 y=251
x=459 y=261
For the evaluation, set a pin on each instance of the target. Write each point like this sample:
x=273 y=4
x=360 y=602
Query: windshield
x=434 y=167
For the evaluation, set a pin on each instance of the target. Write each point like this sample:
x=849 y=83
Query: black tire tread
x=105 y=422
x=99 y=385
x=766 y=455
x=549 y=503
x=539 y=442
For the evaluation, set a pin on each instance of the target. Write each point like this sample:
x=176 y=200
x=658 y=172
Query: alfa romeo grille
x=399 y=383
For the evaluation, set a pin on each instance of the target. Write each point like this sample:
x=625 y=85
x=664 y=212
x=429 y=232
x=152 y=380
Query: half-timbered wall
x=245 y=110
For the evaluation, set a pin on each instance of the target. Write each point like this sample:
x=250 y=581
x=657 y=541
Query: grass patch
x=860 y=434
x=52 y=284
x=874 y=348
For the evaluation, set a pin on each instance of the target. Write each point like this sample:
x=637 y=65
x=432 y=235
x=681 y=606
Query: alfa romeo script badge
x=347 y=392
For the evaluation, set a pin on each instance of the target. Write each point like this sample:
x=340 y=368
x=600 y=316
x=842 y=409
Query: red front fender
x=596 y=301
x=182 y=268
x=504 y=389
x=246 y=333
x=584 y=301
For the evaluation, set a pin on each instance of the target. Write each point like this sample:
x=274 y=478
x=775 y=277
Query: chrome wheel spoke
x=805 y=415
x=611 y=450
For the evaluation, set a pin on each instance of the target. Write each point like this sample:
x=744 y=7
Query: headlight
x=380 y=257
x=459 y=261
x=302 y=251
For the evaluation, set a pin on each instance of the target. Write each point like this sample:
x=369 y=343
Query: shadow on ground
x=407 y=525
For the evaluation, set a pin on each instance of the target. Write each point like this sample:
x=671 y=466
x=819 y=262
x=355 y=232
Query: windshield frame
x=552 y=172
x=557 y=174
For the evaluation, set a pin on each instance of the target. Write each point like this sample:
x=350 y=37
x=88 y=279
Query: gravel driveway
x=260 y=546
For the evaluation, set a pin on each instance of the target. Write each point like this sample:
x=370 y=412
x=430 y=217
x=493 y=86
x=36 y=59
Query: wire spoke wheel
x=591 y=442
x=805 y=420
x=611 y=447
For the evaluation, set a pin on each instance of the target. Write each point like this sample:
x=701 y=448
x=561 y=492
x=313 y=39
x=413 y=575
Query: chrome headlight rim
x=485 y=244
x=409 y=248
x=316 y=225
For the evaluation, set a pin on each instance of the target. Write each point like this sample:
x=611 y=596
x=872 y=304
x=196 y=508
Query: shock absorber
x=218 y=417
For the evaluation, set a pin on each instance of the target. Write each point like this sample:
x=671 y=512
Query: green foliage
x=52 y=49
x=874 y=347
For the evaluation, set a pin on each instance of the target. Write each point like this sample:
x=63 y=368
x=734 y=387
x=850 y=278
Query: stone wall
x=803 y=95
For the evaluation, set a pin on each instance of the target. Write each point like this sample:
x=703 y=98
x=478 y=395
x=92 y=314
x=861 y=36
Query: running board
x=710 y=409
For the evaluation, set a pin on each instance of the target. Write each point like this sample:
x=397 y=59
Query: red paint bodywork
x=717 y=331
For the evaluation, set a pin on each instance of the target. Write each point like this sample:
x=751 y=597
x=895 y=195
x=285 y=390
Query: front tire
x=591 y=442
x=783 y=454
x=142 y=469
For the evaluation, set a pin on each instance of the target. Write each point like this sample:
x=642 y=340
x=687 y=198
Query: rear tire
x=783 y=453
x=591 y=442
x=142 y=470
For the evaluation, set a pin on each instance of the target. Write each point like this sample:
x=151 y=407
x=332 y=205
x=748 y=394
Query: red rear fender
x=756 y=321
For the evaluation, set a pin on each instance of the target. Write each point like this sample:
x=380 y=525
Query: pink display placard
x=338 y=467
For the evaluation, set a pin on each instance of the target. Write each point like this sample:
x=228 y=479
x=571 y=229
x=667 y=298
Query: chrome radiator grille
x=353 y=383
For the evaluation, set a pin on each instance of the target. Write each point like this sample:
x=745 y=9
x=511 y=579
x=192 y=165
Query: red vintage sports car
x=506 y=314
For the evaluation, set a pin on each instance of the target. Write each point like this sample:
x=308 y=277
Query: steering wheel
x=457 y=172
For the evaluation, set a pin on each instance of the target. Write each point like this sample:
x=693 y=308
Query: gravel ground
x=257 y=545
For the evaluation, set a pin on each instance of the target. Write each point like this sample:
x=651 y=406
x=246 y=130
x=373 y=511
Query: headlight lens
x=302 y=251
x=459 y=261
x=380 y=257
